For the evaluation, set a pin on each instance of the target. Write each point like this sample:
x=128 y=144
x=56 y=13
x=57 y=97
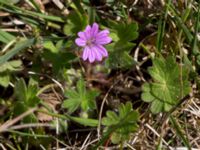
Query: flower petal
x=88 y=28
x=102 y=50
x=103 y=40
x=98 y=54
x=91 y=56
x=95 y=29
x=82 y=35
x=85 y=53
x=88 y=32
x=80 y=42
x=103 y=33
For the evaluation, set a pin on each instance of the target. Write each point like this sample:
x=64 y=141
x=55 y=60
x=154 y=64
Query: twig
x=85 y=141
x=101 y=110
x=4 y=14
x=14 y=30
x=11 y=43
x=9 y=123
x=30 y=125
x=1 y=145
x=156 y=133
x=61 y=6
x=57 y=133
x=95 y=140
x=130 y=146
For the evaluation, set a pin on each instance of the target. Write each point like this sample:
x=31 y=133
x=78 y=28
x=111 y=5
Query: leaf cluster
x=26 y=98
x=122 y=34
x=81 y=97
x=120 y=125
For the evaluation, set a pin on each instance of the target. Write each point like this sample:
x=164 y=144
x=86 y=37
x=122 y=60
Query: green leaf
x=157 y=106
x=26 y=98
x=122 y=34
x=22 y=44
x=75 y=23
x=6 y=71
x=27 y=94
x=92 y=14
x=14 y=65
x=20 y=90
x=124 y=123
x=73 y=102
x=80 y=98
x=85 y=121
x=126 y=32
x=20 y=108
x=119 y=55
x=166 y=89
x=81 y=87
x=50 y=46
x=78 y=6
x=63 y=57
x=91 y=95
x=114 y=36
x=145 y=95
x=13 y=1
x=32 y=99
x=4 y=79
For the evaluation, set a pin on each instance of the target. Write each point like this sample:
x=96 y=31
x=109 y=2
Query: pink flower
x=92 y=41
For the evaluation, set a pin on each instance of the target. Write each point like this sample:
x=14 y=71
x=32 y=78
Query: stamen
x=90 y=41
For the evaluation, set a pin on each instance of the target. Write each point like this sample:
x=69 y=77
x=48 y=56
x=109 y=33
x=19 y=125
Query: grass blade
x=179 y=132
x=161 y=29
x=194 y=43
x=6 y=37
x=17 y=10
x=181 y=24
x=92 y=14
x=20 y=46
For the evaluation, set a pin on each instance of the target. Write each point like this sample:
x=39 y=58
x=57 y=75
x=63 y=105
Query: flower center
x=90 y=41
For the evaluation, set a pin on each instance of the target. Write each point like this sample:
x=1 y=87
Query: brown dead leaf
x=51 y=100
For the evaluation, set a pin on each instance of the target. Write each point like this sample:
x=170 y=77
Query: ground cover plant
x=99 y=74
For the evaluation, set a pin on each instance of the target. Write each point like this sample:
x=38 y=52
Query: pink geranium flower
x=92 y=40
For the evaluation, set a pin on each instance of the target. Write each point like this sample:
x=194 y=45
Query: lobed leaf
x=124 y=123
x=166 y=89
x=123 y=34
x=85 y=99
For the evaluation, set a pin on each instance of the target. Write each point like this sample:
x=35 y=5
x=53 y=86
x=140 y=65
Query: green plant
x=170 y=84
x=120 y=126
x=83 y=98
x=7 y=69
x=123 y=34
x=26 y=98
